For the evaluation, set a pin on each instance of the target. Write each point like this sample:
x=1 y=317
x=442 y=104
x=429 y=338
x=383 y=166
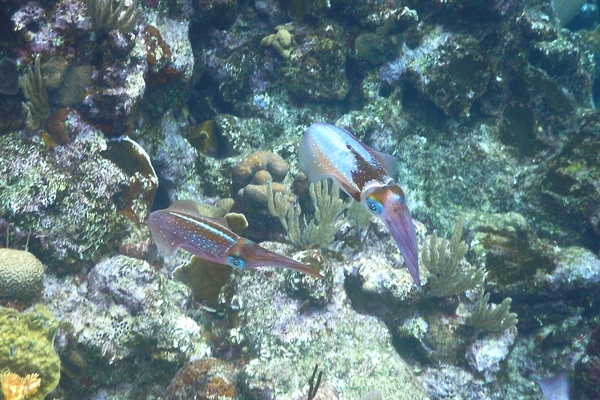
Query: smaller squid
x=327 y=151
x=181 y=225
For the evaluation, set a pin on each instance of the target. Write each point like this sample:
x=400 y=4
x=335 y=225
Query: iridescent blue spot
x=236 y=262
x=374 y=206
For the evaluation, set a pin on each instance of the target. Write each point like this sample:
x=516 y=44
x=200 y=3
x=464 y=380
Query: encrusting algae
x=15 y=387
x=26 y=350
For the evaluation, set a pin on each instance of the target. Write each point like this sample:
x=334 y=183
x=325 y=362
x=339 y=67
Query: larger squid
x=327 y=151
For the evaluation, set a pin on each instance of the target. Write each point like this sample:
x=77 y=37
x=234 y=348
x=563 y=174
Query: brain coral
x=21 y=274
x=260 y=160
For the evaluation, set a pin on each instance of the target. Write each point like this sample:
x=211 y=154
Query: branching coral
x=15 y=387
x=106 y=17
x=450 y=273
x=321 y=230
x=37 y=107
x=491 y=317
x=278 y=205
x=328 y=207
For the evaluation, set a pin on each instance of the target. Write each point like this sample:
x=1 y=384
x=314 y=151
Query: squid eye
x=374 y=206
x=236 y=262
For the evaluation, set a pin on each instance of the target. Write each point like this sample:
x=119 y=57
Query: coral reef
x=314 y=292
x=276 y=335
x=378 y=273
x=126 y=315
x=451 y=70
x=511 y=253
x=317 y=68
x=21 y=275
x=300 y=9
x=244 y=172
x=26 y=348
x=328 y=207
x=204 y=378
x=75 y=204
x=382 y=45
x=490 y=107
x=448 y=382
x=204 y=278
x=485 y=356
x=254 y=182
x=252 y=178
x=586 y=376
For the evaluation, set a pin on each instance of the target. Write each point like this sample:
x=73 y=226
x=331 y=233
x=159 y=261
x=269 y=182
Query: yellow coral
x=281 y=41
x=15 y=387
x=26 y=350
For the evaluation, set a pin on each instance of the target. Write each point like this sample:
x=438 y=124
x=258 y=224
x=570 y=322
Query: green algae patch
x=26 y=346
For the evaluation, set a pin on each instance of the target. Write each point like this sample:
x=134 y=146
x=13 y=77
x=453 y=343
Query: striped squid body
x=182 y=226
x=327 y=151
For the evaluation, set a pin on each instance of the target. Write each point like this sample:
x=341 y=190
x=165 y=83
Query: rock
x=451 y=70
x=128 y=316
x=205 y=378
x=317 y=67
x=74 y=203
x=282 y=341
x=449 y=382
x=486 y=355
x=586 y=377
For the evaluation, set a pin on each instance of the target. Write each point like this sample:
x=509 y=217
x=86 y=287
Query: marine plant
x=108 y=15
x=320 y=231
x=450 y=273
x=491 y=317
x=37 y=107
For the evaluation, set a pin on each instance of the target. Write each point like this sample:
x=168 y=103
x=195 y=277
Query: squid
x=327 y=151
x=182 y=226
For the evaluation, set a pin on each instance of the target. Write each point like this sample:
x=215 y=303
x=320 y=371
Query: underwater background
x=112 y=109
